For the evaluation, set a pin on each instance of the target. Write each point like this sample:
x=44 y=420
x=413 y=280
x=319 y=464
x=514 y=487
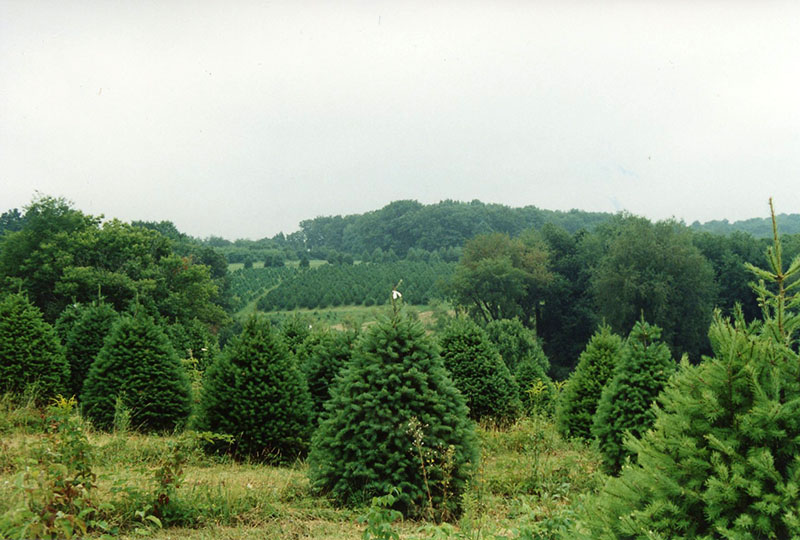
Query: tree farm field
x=524 y=486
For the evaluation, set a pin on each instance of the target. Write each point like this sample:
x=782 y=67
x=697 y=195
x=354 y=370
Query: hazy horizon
x=242 y=121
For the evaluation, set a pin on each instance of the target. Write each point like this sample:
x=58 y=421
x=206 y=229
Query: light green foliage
x=138 y=364
x=364 y=446
x=30 y=353
x=255 y=392
x=578 y=402
x=479 y=372
x=655 y=270
x=85 y=339
x=626 y=402
x=59 y=492
x=721 y=460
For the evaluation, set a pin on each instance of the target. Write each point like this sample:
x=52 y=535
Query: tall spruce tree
x=479 y=372
x=84 y=340
x=137 y=364
x=255 y=392
x=626 y=402
x=581 y=395
x=721 y=460
x=30 y=353
x=394 y=400
x=323 y=362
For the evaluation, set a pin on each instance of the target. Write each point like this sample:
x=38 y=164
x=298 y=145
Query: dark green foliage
x=247 y=285
x=654 y=270
x=536 y=390
x=515 y=343
x=337 y=284
x=194 y=342
x=138 y=364
x=625 y=404
x=255 y=392
x=85 y=339
x=479 y=372
x=30 y=353
x=721 y=460
x=323 y=362
x=395 y=390
x=581 y=395
x=295 y=330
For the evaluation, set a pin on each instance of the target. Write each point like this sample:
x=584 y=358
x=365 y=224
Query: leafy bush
x=255 y=392
x=138 y=364
x=626 y=402
x=85 y=339
x=578 y=403
x=721 y=460
x=364 y=446
x=30 y=353
x=479 y=372
x=515 y=342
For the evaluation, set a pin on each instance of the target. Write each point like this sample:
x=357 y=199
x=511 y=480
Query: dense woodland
x=580 y=320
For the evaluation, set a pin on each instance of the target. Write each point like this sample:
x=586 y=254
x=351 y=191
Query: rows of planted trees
x=128 y=318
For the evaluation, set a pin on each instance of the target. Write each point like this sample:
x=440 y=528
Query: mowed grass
x=528 y=480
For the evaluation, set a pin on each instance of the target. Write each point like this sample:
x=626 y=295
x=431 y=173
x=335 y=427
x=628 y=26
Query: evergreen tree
x=137 y=364
x=582 y=392
x=516 y=342
x=255 y=392
x=393 y=402
x=85 y=339
x=479 y=372
x=323 y=363
x=721 y=460
x=626 y=402
x=536 y=390
x=30 y=353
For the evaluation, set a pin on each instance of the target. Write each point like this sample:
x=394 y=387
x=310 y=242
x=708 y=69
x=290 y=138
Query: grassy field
x=527 y=484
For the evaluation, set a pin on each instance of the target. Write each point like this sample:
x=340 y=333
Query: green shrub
x=578 y=403
x=255 y=392
x=721 y=460
x=479 y=372
x=138 y=364
x=515 y=343
x=30 y=353
x=193 y=341
x=395 y=391
x=537 y=392
x=626 y=402
x=85 y=339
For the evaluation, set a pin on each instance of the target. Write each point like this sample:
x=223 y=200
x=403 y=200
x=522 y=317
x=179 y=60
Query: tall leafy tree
x=500 y=277
x=626 y=402
x=655 y=270
x=395 y=392
x=30 y=353
x=721 y=460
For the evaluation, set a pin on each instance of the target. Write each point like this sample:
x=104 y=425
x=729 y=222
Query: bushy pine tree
x=516 y=343
x=30 y=353
x=581 y=395
x=137 y=364
x=479 y=372
x=255 y=392
x=194 y=342
x=323 y=362
x=721 y=460
x=84 y=340
x=626 y=402
x=395 y=401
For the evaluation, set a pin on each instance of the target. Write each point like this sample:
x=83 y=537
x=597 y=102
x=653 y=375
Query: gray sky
x=239 y=119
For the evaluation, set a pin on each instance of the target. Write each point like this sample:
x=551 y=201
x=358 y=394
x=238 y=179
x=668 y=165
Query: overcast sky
x=239 y=119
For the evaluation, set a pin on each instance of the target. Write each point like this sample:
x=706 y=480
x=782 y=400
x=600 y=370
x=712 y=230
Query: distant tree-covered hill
x=758 y=227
